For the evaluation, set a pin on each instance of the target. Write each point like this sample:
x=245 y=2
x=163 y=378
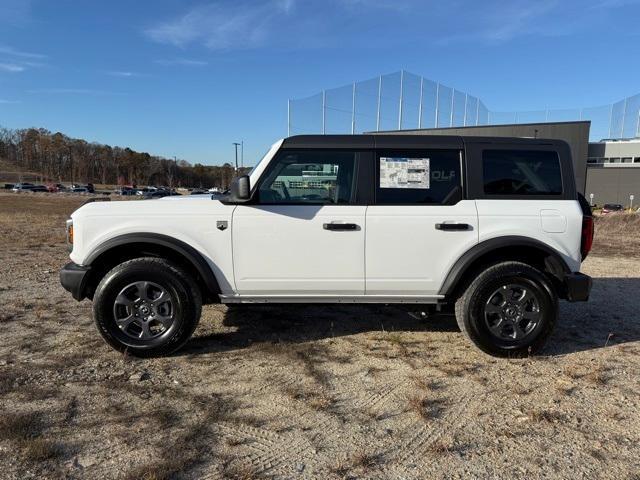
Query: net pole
x=401 y=95
x=420 y=106
x=324 y=110
x=379 y=98
x=353 y=110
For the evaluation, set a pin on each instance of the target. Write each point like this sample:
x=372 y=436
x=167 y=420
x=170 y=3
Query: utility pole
x=175 y=166
x=241 y=153
x=236 y=144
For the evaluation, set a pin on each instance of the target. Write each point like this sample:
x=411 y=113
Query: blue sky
x=175 y=77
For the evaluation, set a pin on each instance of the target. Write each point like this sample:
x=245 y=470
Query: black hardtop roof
x=407 y=141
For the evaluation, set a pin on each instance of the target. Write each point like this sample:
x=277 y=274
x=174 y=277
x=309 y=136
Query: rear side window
x=418 y=177
x=521 y=172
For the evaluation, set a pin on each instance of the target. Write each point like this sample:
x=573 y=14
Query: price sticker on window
x=402 y=172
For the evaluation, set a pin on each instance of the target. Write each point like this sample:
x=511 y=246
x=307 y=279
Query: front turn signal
x=70 y=233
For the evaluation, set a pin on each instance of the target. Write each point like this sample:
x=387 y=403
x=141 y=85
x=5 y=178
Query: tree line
x=58 y=158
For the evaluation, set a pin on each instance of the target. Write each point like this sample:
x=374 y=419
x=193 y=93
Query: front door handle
x=339 y=226
x=453 y=226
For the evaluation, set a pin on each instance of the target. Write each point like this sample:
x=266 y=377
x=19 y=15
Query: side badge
x=221 y=225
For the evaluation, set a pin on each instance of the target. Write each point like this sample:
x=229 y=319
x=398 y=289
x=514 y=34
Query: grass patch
x=426 y=408
x=25 y=432
x=547 y=416
x=240 y=471
x=361 y=462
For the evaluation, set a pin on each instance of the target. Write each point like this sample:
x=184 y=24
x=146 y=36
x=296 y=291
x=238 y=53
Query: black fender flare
x=458 y=270
x=178 y=246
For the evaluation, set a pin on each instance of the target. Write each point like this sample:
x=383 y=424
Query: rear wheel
x=510 y=309
x=147 y=307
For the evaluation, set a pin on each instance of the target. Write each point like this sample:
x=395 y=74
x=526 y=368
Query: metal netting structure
x=403 y=100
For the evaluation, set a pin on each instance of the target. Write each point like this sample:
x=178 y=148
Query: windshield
x=255 y=172
x=264 y=155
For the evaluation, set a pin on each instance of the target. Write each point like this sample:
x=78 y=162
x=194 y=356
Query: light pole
x=175 y=171
x=236 y=144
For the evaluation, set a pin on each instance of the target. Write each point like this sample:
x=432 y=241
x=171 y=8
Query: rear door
x=420 y=223
x=305 y=234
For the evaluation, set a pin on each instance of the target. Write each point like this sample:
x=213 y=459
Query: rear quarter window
x=521 y=172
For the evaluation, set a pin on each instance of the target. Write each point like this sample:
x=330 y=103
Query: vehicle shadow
x=611 y=317
x=293 y=323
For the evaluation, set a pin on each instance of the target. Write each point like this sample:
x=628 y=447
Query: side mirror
x=241 y=188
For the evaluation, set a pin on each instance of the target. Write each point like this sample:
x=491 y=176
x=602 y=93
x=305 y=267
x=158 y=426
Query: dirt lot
x=308 y=392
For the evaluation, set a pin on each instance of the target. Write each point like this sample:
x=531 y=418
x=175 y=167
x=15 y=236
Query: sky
x=189 y=78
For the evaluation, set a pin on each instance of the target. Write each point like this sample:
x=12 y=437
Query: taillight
x=586 y=241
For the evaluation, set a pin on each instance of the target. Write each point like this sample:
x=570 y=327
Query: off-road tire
x=470 y=308
x=184 y=293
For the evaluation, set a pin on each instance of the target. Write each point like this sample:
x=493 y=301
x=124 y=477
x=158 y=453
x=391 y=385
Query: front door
x=303 y=234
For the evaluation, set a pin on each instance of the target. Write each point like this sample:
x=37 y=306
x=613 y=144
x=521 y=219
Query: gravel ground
x=307 y=392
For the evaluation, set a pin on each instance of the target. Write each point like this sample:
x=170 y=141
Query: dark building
x=613 y=171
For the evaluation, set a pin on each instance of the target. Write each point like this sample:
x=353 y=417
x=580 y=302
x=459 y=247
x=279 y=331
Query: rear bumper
x=577 y=286
x=73 y=278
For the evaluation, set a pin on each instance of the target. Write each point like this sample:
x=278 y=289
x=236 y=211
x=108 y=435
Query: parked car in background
x=56 y=187
x=612 y=208
x=126 y=191
x=39 y=188
x=161 y=194
x=146 y=190
x=91 y=188
x=80 y=190
x=23 y=187
x=8 y=186
x=197 y=191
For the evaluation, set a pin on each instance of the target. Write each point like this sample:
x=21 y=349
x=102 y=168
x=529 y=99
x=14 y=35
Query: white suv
x=494 y=226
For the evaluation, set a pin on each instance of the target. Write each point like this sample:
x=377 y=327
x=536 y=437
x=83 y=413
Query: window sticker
x=402 y=172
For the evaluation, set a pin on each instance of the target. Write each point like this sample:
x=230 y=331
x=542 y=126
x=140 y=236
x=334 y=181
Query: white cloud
x=72 y=91
x=186 y=62
x=11 y=67
x=12 y=52
x=494 y=24
x=123 y=74
x=18 y=61
x=614 y=3
x=222 y=26
x=399 y=5
x=8 y=102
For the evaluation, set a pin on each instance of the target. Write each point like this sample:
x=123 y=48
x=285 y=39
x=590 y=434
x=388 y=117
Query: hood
x=167 y=206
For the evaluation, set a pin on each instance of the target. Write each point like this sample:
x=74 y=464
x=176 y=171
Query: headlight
x=70 y=234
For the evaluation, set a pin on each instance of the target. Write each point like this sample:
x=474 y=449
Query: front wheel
x=147 y=307
x=510 y=309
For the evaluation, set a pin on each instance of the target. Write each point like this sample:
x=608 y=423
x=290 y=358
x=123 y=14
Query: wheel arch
x=133 y=245
x=484 y=254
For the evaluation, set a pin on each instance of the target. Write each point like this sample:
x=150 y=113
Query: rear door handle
x=339 y=226
x=453 y=226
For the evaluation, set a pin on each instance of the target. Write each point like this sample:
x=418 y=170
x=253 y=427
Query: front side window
x=521 y=172
x=313 y=177
x=429 y=177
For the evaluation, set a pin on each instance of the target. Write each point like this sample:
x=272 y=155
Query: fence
x=403 y=100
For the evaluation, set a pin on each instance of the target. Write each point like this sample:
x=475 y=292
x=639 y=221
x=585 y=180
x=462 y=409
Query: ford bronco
x=493 y=228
